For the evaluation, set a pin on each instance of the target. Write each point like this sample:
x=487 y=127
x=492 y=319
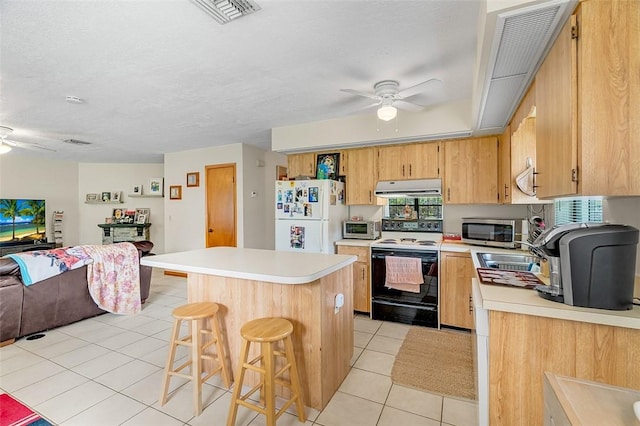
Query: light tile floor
x=107 y=371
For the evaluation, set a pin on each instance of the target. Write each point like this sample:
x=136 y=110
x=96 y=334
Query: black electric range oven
x=406 y=307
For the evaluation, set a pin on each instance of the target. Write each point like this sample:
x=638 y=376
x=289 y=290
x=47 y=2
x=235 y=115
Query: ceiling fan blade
x=359 y=93
x=25 y=145
x=414 y=90
x=408 y=106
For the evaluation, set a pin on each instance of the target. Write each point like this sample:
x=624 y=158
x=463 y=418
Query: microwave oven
x=361 y=229
x=504 y=233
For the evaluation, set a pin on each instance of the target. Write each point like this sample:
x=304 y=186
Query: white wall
x=99 y=177
x=272 y=160
x=432 y=123
x=255 y=172
x=54 y=181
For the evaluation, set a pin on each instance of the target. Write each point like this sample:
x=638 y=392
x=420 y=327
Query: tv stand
x=20 y=247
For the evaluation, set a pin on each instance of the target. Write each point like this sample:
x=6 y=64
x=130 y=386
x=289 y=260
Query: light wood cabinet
x=301 y=164
x=523 y=347
x=517 y=149
x=456 y=272
x=412 y=161
x=471 y=171
x=361 y=280
x=361 y=181
x=587 y=98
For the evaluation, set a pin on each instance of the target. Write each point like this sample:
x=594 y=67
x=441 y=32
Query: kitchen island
x=301 y=287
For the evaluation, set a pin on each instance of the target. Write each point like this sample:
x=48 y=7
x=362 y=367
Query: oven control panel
x=411 y=225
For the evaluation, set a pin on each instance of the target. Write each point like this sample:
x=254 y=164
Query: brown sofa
x=53 y=302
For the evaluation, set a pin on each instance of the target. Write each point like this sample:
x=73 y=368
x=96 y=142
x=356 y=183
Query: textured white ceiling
x=163 y=76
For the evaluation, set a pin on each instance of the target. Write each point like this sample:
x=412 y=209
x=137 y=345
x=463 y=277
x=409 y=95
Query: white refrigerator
x=309 y=215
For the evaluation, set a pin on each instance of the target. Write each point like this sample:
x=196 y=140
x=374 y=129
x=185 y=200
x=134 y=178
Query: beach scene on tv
x=22 y=220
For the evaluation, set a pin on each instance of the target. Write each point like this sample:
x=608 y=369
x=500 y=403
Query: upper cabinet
x=470 y=171
x=412 y=161
x=517 y=153
x=587 y=98
x=301 y=164
x=361 y=180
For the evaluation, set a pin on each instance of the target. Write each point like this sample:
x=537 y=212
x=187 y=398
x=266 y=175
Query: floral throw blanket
x=114 y=277
x=38 y=265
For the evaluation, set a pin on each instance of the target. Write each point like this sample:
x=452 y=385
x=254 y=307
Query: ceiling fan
x=388 y=98
x=7 y=144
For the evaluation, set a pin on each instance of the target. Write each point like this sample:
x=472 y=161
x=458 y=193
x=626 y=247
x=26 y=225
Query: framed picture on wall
x=193 y=179
x=136 y=190
x=327 y=166
x=175 y=192
x=156 y=186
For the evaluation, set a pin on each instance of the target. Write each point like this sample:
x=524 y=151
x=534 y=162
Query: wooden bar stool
x=196 y=314
x=267 y=331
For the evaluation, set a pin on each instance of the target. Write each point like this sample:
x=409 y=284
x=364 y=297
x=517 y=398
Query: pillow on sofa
x=9 y=267
x=144 y=246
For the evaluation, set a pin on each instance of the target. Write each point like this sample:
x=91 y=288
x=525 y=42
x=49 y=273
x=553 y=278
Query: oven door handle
x=384 y=302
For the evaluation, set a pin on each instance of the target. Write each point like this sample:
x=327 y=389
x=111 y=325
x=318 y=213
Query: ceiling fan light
x=387 y=112
x=4 y=148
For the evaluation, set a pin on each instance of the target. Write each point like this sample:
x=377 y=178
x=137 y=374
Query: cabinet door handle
x=403 y=170
x=363 y=275
x=506 y=195
x=370 y=197
x=448 y=194
x=470 y=304
x=210 y=230
x=410 y=170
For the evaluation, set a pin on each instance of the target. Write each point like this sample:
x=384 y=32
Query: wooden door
x=556 y=118
x=455 y=290
x=221 y=205
x=422 y=160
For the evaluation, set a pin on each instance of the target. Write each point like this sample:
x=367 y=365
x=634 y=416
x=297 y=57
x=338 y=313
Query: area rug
x=436 y=361
x=14 y=413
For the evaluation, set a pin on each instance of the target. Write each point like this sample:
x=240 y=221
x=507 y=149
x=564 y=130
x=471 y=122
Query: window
x=423 y=207
x=580 y=209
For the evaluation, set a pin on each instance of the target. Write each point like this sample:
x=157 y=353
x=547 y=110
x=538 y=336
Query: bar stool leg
x=233 y=408
x=196 y=365
x=175 y=332
x=220 y=350
x=269 y=385
x=295 y=379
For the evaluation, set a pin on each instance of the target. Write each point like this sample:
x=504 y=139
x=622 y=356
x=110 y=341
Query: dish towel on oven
x=403 y=273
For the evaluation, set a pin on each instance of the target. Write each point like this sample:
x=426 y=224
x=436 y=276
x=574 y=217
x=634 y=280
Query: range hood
x=408 y=188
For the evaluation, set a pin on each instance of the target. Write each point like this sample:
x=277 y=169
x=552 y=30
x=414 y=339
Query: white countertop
x=527 y=301
x=282 y=267
x=354 y=242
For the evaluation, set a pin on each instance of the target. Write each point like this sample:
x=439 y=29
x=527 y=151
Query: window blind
x=579 y=209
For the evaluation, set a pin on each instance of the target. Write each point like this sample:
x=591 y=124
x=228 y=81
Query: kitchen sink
x=510 y=262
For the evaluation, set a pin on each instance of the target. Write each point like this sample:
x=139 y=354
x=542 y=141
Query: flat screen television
x=22 y=221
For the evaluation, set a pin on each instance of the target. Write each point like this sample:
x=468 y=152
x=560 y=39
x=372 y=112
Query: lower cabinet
x=361 y=281
x=455 y=289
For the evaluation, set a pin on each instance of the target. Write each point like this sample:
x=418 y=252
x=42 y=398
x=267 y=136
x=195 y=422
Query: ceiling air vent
x=520 y=42
x=225 y=11
x=76 y=142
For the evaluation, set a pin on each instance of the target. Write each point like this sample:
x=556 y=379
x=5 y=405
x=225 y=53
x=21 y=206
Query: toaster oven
x=361 y=229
